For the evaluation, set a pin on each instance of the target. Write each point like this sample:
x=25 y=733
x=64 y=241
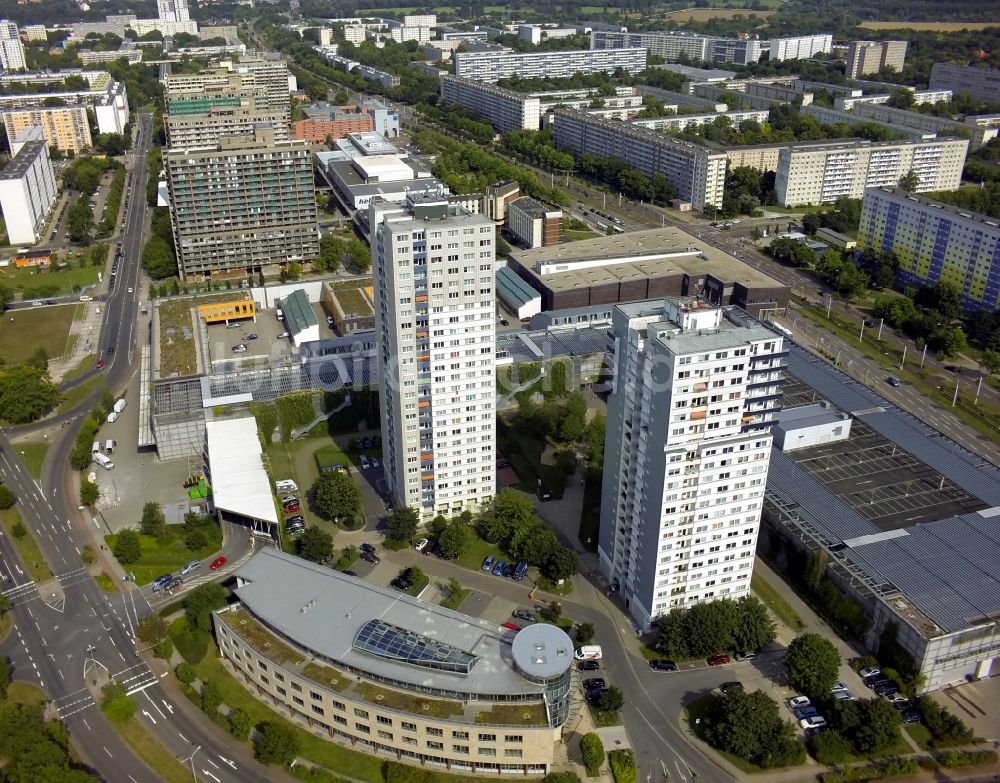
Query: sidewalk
x=87 y=331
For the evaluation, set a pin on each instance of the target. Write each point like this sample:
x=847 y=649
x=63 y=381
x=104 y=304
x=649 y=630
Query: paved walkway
x=87 y=331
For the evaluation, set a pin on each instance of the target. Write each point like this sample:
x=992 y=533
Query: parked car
x=487 y=563
x=367 y=548
x=251 y=337
x=401 y=583
x=815 y=722
x=421 y=544
x=241 y=348
x=887 y=691
x=719 y=660
x=375 y=462
x=511 y=627
x=508 y=570
x=596 y=693
x=296 y=520
x=869 y=671
x=366 y=442
x=520 y=572
x=806 y=712
x=662 y=665
x=523 y=614
x=588 y=666
x=799 y=701
x=218 y=563
x=370 y=557
x=911 y=716
x=745 y=655
x=839 y=687
x=498 y=568
x=594 y=682
x=365 y=464
x=292 y=508
x=731 y=687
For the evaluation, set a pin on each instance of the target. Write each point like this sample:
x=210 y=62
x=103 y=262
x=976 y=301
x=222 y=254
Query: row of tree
x=710 y=628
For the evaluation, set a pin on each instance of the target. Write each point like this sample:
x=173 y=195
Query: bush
x=164 y=649
x=891 y=768
x=87 y=555
x=211 y=697
x=592 y=750
x=623 y=766
x=116 y=704
x=185 y=673
x=240 y=723
x=945 y=727
x=7 y=498
x=953 y=759
x=275 y=743
x=830 y=748
x=19 y=530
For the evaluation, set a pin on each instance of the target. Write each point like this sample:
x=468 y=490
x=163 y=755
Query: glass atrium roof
x=398 y=644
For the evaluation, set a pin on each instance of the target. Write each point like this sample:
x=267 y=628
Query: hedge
x=623 y=766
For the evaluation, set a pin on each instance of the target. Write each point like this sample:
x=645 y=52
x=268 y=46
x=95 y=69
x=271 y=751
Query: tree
x=111 y=143
x=878 y=726
x=153 y=522
x=561 y=565
x=116 y=703
x=211 y=697
x=813 y=665
x=275 y=743
x=185 y=673
x=910 y=181
x=158 y=258
x=90 y=493
x=584 y=633
x=709 y=627
x=402 y=523
x=240 y=723
x=336 y=496
x=127 y=548
x=7 y=498
x=315 y=544
x=990 y=361
x=592 y=751
x=593 y=441
x=152 y=628
x=534 y=543
x=5 y=672
x=201 y=602
x=749 y=725
x=754 y=629
x=574 y=418
x=359 y=256
x=611 y=700
x=26 y=394
x=672 y=639
x=454 y=540
x=80 y=221
x=551 y=612
x=830 y=748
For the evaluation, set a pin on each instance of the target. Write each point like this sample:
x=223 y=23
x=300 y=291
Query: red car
x=511 y=627
x=719 y=660
x=100 y=364
x=291 y=508
x=221 y=561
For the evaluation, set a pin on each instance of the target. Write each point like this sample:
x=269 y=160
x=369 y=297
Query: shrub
x=592 y=750
x=952 y=759
x=185 y=673
x=945 y=727
x=7 y=498
x=886 y=769
x=164 y=649
x=275 y=743
x=211 y=697
x=240 y=723
x=830 y=748
x=116 y=704
x=623 y=766
x=19 y=530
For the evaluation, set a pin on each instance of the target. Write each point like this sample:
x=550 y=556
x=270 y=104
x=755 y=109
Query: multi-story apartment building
x=11 y=48
x=935 y=241
x=800 y=47
x=204 y=129
x=981 y=130
x=433 y=270
x=493 y=66
x=393 y=676
x=820 y=172
x=66 y=127
x=27 y=192
x=268 y=81
x=173 y=10
x=533 y=224
x=35 y=32
x=695 y=392
x=670 y=45
x=697 y=173
x=980 y=83
x=920 y=97
x=245 y=203
x=684 y=121
x=865 y=57
x=505 y=109
x=333 y=124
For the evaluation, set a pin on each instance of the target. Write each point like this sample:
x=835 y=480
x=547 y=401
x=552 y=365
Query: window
x=385 y=735
x=383 y=720
x=487 y=751
x=462 y=749
x=486 y=737
x=513 y=753
x=315 y=696
x=298 y=701
x=462 y=735
x=363 y=728
x=296 y=687
x=317 y=710
x=435 y=745
x=360 y=713
x=513 y=738
x=435 y=732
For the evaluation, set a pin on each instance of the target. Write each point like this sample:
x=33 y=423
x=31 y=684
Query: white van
x=278 y=314
x=120 y=405
x=109 y=446
x=103 y=461
x=589 y=652
x=286 y=485
x=96 y=448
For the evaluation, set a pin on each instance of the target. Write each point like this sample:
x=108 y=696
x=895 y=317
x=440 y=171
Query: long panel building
x=507 y=110
x=981 y=129
x=935 y=241
x=494 y=66
x=433 y=275
x=695 y=392
x=27 y=191
x=800 y=47
x=980 y=83
x=820 y=172
x=245 y=203
x=670 y=45
x=187 y=126
x=697 y=173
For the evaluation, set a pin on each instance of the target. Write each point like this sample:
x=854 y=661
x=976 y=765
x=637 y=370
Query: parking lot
x=268 y=342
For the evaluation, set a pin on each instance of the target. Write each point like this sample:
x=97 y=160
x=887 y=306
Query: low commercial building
x=359 y=180
x=394 y=676
x=241 y=488
x=980 y=83
x=641 y=265
x=505 y=109
x=820 y=172
x=349 y=303
x=27 y=192
x=533 y=224
x=697 y=173
x=494 y=66
x=836 y=239
x=935 y=242
x=300 y=320
x=810 y=425
x=66 y=127
x=516 y=295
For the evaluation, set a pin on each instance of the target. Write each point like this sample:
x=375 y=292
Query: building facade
x=671 y=45
x=800 y=47
x=398 y=678
x=980 y=83
x=267 y=81
x=206 y=128
x=11 y=48
x=507 y=110
x=494 y=66
x=980 y=133
x=433 y=267
x=934 y=242
x=533 y=224
x=865 y=57
x=245 y=203
x=695 y=392
x=27 y=192
x=66 y=127
x=697 y=173
x=821 y=172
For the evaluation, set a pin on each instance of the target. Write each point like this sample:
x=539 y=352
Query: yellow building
x=227 y=311
x=66 y=127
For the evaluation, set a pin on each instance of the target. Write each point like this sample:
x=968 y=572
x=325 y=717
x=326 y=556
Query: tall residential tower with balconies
x=696 y=389
x=434 y=314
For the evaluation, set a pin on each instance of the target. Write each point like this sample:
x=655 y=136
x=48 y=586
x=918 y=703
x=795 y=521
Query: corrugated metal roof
x=513 y=290
x=298 y=313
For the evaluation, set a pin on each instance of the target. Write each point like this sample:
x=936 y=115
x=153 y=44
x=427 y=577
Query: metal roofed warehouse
x=404 y=671
x=300 y=320
x=240 y=485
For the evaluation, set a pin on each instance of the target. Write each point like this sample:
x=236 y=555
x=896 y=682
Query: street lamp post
x=190 y=759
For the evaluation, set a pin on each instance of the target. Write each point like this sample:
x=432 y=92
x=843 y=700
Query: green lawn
x=25 y=693
x=23 y=332
x=79 y=393
x=62 y=281
x=454 y=600
x=33 y=455
x=168 y=768
x=920 y=734
x=523 y=450
x=26 y=547
x=85 y=364
x=106 y=583
x=158 y=559
x=775 y=602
